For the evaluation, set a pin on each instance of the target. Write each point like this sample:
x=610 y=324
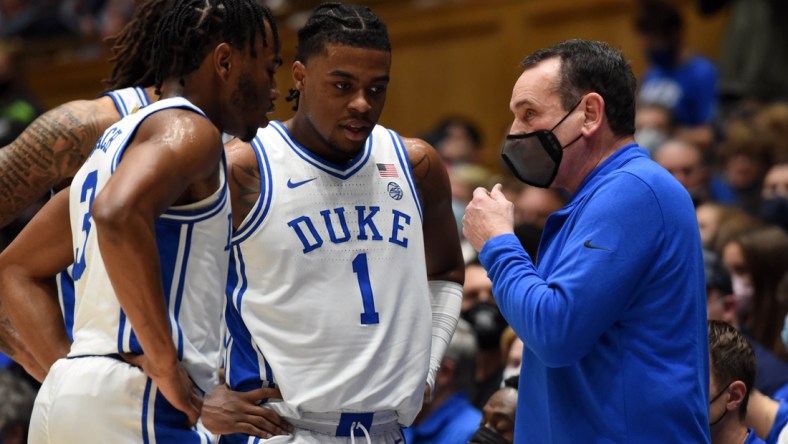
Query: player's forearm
x=21 y=183
x=128 y=248
x=34 y=313
x=11 y=345
x=29 y=296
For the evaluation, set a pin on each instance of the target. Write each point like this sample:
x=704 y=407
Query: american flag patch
x=387 y=170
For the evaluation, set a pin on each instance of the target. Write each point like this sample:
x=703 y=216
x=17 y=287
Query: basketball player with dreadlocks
x=49 y=152
x=345 y=279
x=150 y=218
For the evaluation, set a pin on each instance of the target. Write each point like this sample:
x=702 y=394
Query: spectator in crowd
x=511 y=353
x=757 y=259
x=754 y=53
x=774 y=196
x=654 y=124
x=477 y=287
x=464 y=178
x=534 y=205
x=457 y=139
x=499 y=416
x=720 y=304
x=96 y=18
x=684 y=160
x=488 y=323
x=732 y=365
x=31 y=20
x=745 y=156
x=450 y=417
x=772 y=120
x=718 y=223
x=684 y=82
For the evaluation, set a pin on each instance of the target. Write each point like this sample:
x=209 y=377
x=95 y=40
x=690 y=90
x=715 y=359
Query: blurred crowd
x=47 y=19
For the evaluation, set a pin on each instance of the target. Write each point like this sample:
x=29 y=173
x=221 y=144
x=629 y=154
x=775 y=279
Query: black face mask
x=487 y=436
x=774 y=210
x=534 y=157
x=488 y=323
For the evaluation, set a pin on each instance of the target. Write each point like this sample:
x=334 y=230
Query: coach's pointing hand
x=488 y=215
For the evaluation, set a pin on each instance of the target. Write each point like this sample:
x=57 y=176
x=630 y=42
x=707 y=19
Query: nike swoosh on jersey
x=291 y=184
x=588 y=244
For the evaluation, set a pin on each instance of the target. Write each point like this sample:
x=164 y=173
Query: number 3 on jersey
x=360 y=267
x=88 y=193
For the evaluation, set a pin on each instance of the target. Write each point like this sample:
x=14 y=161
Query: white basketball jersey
x=193 y=245
x=127 y=101
x=327 y=289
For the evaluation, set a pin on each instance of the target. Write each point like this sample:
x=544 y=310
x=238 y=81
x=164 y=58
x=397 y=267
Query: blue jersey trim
x=145 y=413
x=143 y=96
x=181 y=284
x=194 y=216
x=240 y=276
x=341 y=172
x=120 y=104
x=402 y=155
x=67 y=295
x=121 y=329
x=263 y=204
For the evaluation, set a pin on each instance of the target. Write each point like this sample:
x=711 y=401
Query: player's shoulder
x=179 y=127
x=240 y=154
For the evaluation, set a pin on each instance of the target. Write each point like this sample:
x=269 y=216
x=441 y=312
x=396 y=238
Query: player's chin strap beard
x=293 y=94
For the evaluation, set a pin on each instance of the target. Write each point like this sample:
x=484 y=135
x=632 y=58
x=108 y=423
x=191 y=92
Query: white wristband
x=446 y=300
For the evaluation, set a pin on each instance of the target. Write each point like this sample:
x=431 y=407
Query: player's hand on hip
x=173 y=382
x=489 y=214
x=226 y=411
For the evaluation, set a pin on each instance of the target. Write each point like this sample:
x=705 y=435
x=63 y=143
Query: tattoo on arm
x=7 y=330
x=421 y=167
x=50 y=149
x=246 y=181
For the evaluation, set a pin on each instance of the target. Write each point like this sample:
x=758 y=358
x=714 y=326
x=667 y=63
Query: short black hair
x=344 y=24
x=593 y=66
x=339 y=23
x=187 y=31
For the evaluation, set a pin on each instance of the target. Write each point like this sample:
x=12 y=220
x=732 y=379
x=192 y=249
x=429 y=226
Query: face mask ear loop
x=567 y=115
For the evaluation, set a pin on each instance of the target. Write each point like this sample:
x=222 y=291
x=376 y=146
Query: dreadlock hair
x=343 y=24
x=130 y=53
x=186 y=33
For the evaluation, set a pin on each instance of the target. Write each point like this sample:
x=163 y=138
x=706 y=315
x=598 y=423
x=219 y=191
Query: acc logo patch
x=395 y=191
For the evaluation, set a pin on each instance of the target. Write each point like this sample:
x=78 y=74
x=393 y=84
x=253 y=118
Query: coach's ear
x=593 y=107
x=299 y=75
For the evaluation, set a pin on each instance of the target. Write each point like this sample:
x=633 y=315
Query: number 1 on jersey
x=370 y=316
